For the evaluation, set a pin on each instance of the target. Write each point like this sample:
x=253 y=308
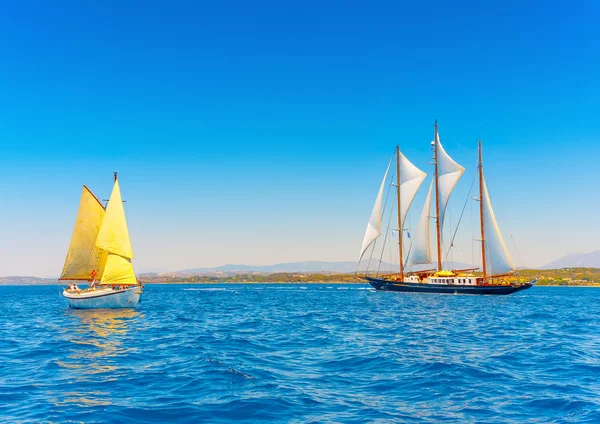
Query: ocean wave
x=309 y=353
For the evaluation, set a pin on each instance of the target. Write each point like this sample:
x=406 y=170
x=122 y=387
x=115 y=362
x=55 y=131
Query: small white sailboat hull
x=104 y=298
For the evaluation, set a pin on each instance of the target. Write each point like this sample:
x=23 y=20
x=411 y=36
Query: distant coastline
x=566 y=277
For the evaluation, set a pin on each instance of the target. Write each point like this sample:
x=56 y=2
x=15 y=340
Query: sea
x=301 y=353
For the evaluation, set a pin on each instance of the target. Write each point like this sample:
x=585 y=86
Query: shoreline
x=185 y=283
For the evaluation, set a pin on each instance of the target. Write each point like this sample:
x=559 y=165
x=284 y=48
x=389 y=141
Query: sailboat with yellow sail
x=498 y=274
x=100 y=254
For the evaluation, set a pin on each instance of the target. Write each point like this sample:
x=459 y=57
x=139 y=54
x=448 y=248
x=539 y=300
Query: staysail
x=84 y=260
x=411 y=179
x=420 y=252
x=114 y=238
x=498 y=259
x=374 y=225
x=449 y=172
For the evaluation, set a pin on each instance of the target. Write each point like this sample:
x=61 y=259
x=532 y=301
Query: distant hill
x=307 y=266
x=229 y=270
x=576 y=260
x=26 y=280
x=301 y=267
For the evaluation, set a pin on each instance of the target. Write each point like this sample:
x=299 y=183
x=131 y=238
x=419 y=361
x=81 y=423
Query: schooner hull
x=401 y=286
x=105 y=298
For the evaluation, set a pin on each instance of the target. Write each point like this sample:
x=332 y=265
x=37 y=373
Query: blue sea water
x=301 y=353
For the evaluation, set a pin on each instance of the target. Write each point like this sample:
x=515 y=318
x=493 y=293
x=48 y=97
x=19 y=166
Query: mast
x=400 y=233
x=483 y=261
x=437 y=200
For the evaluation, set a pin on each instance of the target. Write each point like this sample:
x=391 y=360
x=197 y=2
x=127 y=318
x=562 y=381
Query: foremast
x=481 y=216
x=437 y=198
x=400 y=232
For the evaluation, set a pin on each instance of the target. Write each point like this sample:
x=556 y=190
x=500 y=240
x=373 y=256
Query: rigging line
x=517 y=249
x=387 y=196
x=472 y=235
x=389 y=248
x=387 y=231
x=375 y=242
x=126 y=210
x=450 y=247
x=461 y=215
x=368 y=263
x=459 y=250
x=463 y=256
x=409 y=249
x=390 y=254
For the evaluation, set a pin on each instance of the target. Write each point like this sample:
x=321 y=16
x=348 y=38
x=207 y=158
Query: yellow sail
x=113 y=235
x=84 y=260
x=118 y=270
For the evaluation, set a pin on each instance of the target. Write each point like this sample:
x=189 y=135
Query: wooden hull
x=104 y=298
x=401 y=286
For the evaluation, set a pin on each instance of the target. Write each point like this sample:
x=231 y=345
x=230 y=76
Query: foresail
x=84 y=260
x=449 y=172
x=374 y=225
x=498 y=259
x=118 y=270
x=113 y=235
x=420 y=251
x=411 y=179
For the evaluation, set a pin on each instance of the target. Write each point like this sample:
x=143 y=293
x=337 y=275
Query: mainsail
x=449 y=172
x=374 y=225
x=420 y=252
x=411 y=179
x=113 y=237
x=498 y=259
x=84 y=260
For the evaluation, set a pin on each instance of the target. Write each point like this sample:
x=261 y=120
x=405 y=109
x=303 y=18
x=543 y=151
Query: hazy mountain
x=576 y=260
x=151 y=270
x=26 y=280
x=308 y=266
x=305 y=267
x=302 y=267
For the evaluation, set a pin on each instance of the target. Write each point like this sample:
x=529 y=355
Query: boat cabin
x=448 y=277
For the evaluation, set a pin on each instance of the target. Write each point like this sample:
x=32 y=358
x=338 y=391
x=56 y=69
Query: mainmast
x=400 y=233
x=483 y=261
x=437 y=200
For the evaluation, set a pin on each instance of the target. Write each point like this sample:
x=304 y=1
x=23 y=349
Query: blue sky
x=258 y=132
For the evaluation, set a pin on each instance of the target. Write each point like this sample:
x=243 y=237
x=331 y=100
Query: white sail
x=411 y=179
x=420 y=251
x=498 y=259
x=449 y=172
x=374 y=225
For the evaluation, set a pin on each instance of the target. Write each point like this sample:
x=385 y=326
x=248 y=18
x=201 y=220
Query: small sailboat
x=498 y=274
x=100 y=254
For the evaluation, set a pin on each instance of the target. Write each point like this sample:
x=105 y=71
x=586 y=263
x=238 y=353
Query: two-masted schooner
x=498 y=274
x=100 y=254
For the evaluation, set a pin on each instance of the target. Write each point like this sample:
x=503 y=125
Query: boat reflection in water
x=98 y=348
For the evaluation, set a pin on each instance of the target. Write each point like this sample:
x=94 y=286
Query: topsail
x=449 y=172
x=411 y=179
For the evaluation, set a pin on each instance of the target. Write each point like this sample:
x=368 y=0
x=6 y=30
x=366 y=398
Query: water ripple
x=302 y=353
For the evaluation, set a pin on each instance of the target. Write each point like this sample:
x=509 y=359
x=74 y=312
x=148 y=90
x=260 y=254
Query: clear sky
x=258 y=132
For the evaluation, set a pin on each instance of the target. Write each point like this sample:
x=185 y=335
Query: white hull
x=104 y=298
